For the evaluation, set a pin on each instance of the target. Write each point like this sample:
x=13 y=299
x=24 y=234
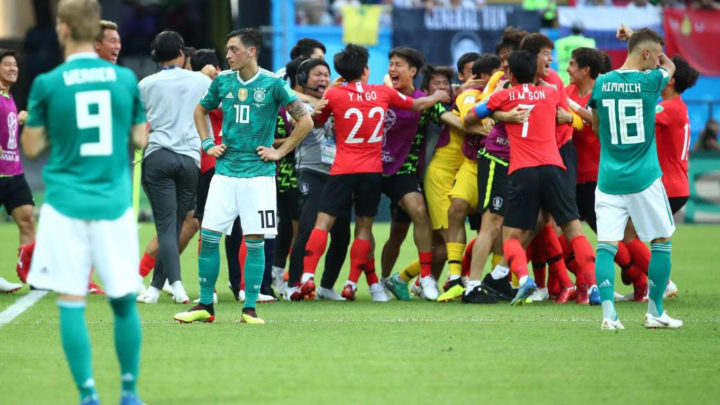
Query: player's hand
x=442 y=96
x=500 y=86
x=623 y=33
x=488 y=124
x=471 y=84
x=217 y=150
x=268 y=154
x=339 y=81
x=22 y=117
x=518 y=115
x=563 y=116
x=209 y=71
x=317 y=109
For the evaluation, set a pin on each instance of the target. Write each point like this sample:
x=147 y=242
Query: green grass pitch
x=393 y=353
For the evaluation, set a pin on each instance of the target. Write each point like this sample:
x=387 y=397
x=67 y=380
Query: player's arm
x=303 y=125
x=563 y=116
x=34 y=141
x=452 y=121
x=667 y=64
x=203 y=127
x=422 y=103
x=139 y=135
x=583 y=113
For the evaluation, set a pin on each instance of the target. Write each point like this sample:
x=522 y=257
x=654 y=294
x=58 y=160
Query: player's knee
x=458 y=210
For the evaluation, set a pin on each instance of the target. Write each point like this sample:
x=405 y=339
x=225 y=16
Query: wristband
x=207 y=143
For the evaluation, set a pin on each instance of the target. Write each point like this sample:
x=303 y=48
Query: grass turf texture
x=374 y=353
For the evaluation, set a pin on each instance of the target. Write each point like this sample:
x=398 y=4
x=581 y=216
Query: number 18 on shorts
x=253 y=199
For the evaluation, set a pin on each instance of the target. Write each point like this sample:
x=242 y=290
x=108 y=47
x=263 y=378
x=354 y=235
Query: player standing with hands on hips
x=244 y=181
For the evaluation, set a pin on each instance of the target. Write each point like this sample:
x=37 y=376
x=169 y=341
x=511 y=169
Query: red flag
x=694 y=34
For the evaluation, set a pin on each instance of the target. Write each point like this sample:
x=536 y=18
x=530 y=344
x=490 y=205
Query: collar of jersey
x=82 y=55
x=252 y=79
x=627 y=70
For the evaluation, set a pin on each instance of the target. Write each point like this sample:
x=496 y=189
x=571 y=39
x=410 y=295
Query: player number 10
x=625 y=120
x=267 y=218
x=242 y=114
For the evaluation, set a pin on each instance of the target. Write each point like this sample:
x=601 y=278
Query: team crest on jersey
x=242 y=94
x=259 y=95
x=497 y=203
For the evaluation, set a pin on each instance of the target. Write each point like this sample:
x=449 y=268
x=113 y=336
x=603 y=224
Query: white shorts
x=253 y=199
x=67 y=248
x=649 y=210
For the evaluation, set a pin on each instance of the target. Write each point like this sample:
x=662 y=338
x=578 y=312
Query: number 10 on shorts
x=267 y=218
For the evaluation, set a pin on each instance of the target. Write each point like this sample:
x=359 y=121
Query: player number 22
x=242 y=114
x=102 y=120
x=625 y=120
x=376 y=135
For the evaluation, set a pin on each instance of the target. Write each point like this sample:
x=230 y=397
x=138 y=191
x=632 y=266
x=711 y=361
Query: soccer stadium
x=359 y=201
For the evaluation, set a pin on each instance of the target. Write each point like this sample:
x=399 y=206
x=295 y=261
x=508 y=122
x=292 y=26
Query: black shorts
x=15 y=192
x=396 y=186
x=568 y=153
x=676 y=203
x=344 y=190
x=533 y=188
x=202 y=192
x=288 y=204
x=492 y=183
x=585 y=199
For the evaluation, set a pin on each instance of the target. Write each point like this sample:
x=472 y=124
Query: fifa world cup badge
x=242 y=94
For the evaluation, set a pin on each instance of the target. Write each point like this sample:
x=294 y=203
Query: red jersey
x=533 y=142
x=207 y=162
x=672 y=131
x=359 y=110
x=564 y=132
x=586 y=142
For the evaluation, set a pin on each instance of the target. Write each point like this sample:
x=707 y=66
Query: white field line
x=20 y=306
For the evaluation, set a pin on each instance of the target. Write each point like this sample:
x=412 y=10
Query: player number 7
x=529 y=108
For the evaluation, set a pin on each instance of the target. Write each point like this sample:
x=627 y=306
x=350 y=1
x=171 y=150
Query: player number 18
x=625 y=120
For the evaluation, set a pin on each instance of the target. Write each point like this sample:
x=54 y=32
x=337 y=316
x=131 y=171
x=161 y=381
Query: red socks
x=425 y=263
x=370 y=274
x=554 y=255
x=585 y=258
x=147 y=263
x=640 y=254
x=631 y=272
x=242 y=255
x=359 y=253
x=515 y=255
x=467 y=259
x=537 y=257
x=314 y=249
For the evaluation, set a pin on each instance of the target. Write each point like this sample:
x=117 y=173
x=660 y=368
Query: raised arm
x=422 y=103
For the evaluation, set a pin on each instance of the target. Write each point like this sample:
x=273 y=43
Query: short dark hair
x=685 y=75
x=535 y=42
x=203 y=57
x=298 y=70
x=486 y=64
x=465 y=59
x=590 y=58
x=166 y=46
x=523 y=66
x=429 y=71
x=305 y=47
x=606 y=62
x=644 y=35
x=412 y=56
x=7 y=52
x=351 y=61
x=249 y=37
x=189 y=51
x=511 y=39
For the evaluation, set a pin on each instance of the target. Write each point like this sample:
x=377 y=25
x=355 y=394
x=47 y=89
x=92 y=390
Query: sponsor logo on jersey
x=304 y=188
x=242 y=94
x=259 y=95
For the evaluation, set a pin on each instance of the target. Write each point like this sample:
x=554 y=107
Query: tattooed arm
x=303 y=125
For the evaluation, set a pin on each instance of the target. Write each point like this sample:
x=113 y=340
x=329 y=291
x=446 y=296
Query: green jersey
x=87 y=106
x=250 y=109
x=625 y=103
